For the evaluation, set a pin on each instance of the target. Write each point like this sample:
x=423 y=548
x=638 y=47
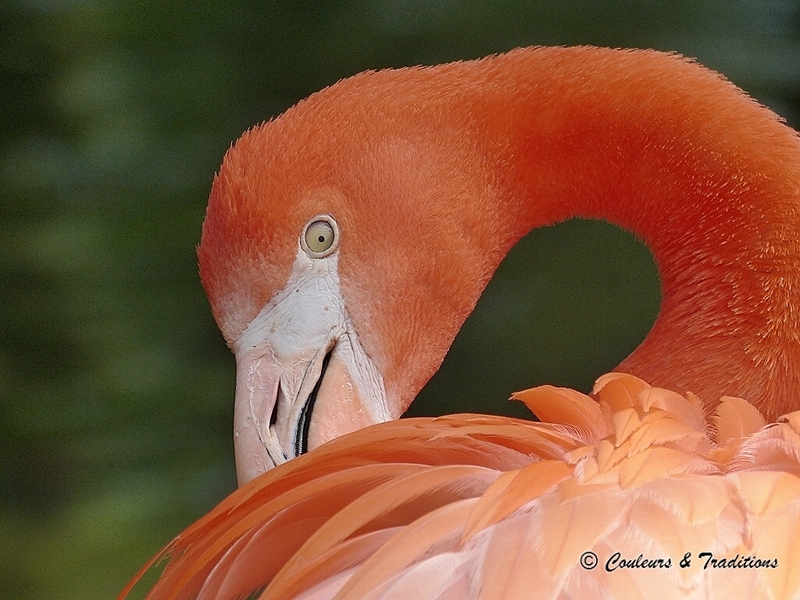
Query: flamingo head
x=340 y=263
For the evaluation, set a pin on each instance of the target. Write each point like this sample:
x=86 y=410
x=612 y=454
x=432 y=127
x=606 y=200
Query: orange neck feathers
x=434 y=173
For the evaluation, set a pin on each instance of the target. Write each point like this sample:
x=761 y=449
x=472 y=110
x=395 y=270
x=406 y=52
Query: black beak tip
x=304 y=421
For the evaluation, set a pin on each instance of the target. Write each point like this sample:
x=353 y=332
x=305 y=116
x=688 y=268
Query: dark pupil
x=321 y=239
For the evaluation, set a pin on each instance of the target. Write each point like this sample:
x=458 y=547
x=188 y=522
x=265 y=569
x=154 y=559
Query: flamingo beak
x=302 y=377
x=284 y=410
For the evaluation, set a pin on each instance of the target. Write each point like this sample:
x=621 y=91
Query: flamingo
x=346 y=242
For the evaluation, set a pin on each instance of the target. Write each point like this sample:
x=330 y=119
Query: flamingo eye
x=320 y=237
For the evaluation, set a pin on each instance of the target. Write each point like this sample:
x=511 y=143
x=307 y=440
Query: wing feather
x=512 y=490
x=471 y=506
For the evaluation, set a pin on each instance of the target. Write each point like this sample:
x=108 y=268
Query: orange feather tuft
x=438 y=515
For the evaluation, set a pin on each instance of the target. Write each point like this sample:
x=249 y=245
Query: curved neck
x=434 y=173
x=707 y=178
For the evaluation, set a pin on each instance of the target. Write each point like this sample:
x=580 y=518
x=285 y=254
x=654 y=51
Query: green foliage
x=115 y=388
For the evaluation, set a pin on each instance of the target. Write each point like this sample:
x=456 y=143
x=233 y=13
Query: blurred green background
x=115 y=388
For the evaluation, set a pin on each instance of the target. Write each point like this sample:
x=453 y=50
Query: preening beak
x=302 y=377
x=267 y=427
x=284 y=410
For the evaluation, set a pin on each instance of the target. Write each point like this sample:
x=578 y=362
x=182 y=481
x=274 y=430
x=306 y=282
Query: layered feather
x=667 y=503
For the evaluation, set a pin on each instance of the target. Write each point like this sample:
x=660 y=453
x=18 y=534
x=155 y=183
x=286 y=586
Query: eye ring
x=320 y=237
